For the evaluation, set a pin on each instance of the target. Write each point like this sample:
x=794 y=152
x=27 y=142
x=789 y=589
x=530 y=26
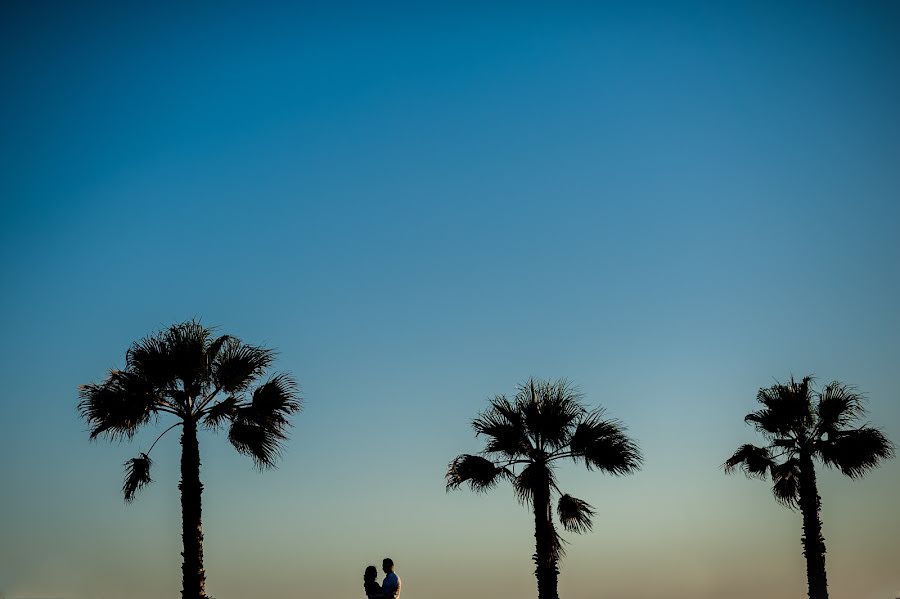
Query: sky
x=420 y=206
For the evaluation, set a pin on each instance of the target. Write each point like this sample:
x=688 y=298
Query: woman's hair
x=371 y=573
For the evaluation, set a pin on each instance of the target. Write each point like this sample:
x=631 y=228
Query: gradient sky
x=420 y=208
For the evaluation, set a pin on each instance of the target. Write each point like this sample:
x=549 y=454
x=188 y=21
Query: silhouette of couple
x=389 y=587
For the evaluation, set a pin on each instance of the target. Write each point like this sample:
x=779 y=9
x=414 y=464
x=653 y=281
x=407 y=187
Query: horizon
x=419 y=208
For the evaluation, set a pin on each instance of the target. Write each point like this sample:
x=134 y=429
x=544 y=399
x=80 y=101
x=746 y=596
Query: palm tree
x=200 y=380
x=801 y=424
x=526 y=438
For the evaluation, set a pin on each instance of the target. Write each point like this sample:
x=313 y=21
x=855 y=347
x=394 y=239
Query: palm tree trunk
x=546 y=571
x=813 y=541
x=193 y=575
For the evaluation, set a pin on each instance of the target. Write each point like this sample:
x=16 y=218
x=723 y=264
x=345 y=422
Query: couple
x=389 y=587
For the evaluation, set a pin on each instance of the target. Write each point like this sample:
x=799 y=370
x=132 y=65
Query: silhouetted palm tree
x=800 y=425
x=200 y=380
x=526 y=438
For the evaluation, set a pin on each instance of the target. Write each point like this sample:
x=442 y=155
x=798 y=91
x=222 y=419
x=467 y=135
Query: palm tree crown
x=526 y=438
x=798 y=421
x=187 y=372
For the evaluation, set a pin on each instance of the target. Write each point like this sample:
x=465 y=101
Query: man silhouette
x=390 y=586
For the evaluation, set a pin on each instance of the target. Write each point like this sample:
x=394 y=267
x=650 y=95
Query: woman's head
x=371 y=573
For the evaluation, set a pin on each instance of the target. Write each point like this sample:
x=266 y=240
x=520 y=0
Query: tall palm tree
x=801 y=425
x=526 y=439
x=200 y=380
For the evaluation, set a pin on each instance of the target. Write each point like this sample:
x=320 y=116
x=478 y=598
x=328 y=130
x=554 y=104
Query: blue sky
x=420 y=208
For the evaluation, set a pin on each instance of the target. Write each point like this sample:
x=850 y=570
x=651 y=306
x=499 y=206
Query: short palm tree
x=801 y=425
x=200 y=380
x=526 y=439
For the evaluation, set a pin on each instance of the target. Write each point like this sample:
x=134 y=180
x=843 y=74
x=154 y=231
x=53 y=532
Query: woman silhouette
x=372 y=588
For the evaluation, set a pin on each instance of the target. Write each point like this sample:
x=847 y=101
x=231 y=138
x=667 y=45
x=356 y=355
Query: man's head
x=387 y=564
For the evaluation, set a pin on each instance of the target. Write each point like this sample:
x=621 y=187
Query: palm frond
x=754 y=461
x=575 y=514
x=549 y=411
x=502 y=424
x=137 y=476
x=839 y=406
x=481 y=473
x=118 y=406
x=259 y=427
x=855 y=452
x=212 y=350
x=261 y=443
x=770 y=423
x=218 y=413
x=238 y=364
x=149 y=359
x=187 y=344
x=786 y=482
x=273 y=401
x=536 y=476
x=557 y=544
x=788 y=406
x=603 y=445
